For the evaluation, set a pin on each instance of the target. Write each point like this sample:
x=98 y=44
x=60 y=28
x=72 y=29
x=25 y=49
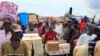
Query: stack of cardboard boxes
x=36 y=41
x=38 y=46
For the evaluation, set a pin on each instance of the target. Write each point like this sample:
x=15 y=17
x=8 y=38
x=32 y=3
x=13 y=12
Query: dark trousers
x=71 y=50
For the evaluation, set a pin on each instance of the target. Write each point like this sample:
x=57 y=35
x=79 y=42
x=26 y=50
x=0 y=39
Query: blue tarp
x=23 y=17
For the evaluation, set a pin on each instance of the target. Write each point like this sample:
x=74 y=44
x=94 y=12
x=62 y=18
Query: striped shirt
x=91 y=46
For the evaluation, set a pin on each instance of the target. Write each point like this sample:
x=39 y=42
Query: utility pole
x=70 y=11
x=93 y=19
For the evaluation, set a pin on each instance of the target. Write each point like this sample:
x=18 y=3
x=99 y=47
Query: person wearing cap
x=19 y=27
x=50 y=35
x=92 y=43
x=14 y=47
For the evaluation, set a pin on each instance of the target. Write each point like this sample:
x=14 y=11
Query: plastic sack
x=8 y=10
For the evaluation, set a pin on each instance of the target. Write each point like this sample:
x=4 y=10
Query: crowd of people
x=74 y=32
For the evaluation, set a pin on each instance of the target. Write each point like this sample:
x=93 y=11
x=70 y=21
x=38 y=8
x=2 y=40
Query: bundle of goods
x=33 y=41
x=81 y=50
x=57 y=48
x=8 y=10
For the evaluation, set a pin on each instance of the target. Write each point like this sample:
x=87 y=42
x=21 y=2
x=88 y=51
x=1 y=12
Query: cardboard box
x=64 y=48
x=32 y=17
x=53 y=46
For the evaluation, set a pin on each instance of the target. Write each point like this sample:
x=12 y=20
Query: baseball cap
x=16 y=28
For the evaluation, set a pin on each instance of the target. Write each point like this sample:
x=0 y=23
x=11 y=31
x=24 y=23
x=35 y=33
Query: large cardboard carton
x=32 y=17
x=64 y=48
x=52 y=46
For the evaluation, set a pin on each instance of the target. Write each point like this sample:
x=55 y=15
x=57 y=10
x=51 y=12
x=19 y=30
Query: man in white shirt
x=5 y=34
x=86 y=37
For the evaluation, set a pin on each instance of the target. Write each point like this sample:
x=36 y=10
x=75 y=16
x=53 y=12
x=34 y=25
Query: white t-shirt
x=84 y=39
x=59 y=29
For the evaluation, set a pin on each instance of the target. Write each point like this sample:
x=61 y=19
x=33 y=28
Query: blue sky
x=58 y=7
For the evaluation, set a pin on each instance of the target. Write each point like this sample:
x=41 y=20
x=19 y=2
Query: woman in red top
x=82 y=25
x=50 y=35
